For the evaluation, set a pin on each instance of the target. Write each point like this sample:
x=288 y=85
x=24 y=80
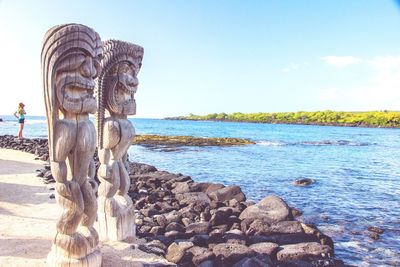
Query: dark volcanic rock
x=284 y=239
x=228 y=193
x=271 y=209
x=180 y=188
x=376 y=229
x=257 y=261
x=177 y=252
x=198 y=228
x=152 y=250
x=140 y=168
x=205 y=187
x=231 y=253
x=193 y=197
x=174 y=226
x=302 y=251
x=200 y=240
x=268 y=248
x=303 y=182
x=221 y=215
x=201 y=254
x=235 y=237
x=260 y=227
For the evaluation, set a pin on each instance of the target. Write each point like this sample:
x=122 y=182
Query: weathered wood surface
x=117 y=85
x=70 y=62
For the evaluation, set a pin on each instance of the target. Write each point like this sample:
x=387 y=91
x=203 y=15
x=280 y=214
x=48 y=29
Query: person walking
x=20 y=115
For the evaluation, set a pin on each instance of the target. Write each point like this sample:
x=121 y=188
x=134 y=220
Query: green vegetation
x=364 y=119
x=174 y=141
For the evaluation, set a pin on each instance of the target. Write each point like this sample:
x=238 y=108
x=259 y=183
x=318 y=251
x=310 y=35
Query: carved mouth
x=124 y=94
x=79 y=91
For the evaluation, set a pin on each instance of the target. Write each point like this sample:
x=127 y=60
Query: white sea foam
x=35 y=121
x=271 y=143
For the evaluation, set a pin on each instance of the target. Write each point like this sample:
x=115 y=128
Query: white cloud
x=341 y=61
x=292 y=66
x=385 y=62
x=295 y=66
x=380 y=90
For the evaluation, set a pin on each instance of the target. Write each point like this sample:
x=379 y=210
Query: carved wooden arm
x=59 y=171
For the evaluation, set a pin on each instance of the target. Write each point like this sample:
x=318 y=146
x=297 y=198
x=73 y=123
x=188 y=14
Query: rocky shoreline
x=152 y=140
x=209 y=224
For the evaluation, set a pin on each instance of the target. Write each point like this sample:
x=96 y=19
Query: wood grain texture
x=70 y=62
x=117 y=85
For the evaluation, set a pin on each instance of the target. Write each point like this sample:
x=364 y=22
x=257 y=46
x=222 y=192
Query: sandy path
x=28 y=218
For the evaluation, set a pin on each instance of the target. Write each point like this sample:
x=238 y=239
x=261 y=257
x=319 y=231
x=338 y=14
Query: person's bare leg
x=21 y=129
x=21 y=126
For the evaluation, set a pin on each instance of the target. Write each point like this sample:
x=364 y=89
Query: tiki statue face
x=123 y=88
x=75 y=84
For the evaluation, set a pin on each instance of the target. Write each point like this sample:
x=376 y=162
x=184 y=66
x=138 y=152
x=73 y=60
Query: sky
x=222 y=56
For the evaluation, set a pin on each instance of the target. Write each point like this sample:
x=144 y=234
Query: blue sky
x=223 y=56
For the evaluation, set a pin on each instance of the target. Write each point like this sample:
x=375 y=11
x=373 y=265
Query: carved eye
x=71 y=62
x=97 y=66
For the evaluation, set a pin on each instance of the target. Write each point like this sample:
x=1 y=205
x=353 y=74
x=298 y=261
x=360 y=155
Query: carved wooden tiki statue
x=117 y=85
x=70 y=62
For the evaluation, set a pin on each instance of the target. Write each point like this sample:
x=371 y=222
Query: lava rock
x=200 y=255
x=303 y=182
x=302 y=251
x=176 y=252
x=268 y=248
x=231 y=253
x=193 y=197
x=376 y=230
x=198 y=228
x=271 y=209
x=228 y=193
x=260 y=227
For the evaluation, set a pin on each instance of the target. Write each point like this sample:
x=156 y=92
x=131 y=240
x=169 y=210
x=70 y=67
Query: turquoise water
x=357 y=174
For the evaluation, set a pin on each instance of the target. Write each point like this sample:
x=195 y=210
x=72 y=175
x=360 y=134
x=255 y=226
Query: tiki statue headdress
x=67 y=86
x=117 y=82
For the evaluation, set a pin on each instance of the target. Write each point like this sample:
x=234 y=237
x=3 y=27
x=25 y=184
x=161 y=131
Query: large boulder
x=302 y=251
x=177 y=252
x=221 y=215
x=232 y=253
x=193 y=197
x=140 y=168
x=284 y=239
x=268 y=248
x=228 y=193
x=257 y=261
x=261 y=227
x=180 y=188
x=201 y=254
x=205 y=187
x=198 y=228
x=270 y=209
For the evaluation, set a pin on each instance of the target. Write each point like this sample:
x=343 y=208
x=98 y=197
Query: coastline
x=287 y=123
x=212 y=219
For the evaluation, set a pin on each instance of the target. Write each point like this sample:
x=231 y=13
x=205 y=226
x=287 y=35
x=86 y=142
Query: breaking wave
x=314 y=143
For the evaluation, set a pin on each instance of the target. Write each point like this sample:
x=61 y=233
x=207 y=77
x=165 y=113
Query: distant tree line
x=367 y=119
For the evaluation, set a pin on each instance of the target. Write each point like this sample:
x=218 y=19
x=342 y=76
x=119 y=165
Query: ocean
x=356 y=173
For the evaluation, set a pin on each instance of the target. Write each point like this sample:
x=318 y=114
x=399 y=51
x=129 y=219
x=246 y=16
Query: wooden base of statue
x=118 y=228
x=75 y=256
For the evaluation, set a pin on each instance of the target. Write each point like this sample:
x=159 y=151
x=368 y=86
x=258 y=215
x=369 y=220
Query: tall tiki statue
x=117 y=85
x=71 y=56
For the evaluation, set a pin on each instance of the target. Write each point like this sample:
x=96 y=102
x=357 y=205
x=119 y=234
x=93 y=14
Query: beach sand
x=28 y=218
